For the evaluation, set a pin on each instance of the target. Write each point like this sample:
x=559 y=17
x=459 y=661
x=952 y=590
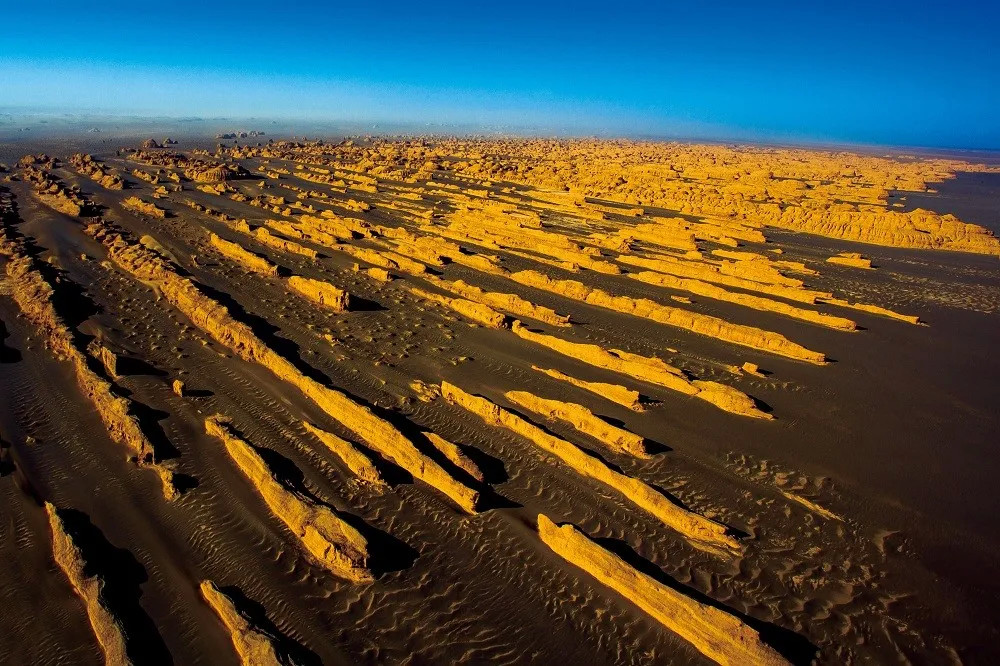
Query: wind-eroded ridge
x=361 y=372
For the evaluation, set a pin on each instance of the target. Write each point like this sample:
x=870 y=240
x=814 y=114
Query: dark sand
x=898 y=437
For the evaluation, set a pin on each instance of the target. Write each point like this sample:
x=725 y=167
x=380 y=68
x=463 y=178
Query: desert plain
x=380 y=400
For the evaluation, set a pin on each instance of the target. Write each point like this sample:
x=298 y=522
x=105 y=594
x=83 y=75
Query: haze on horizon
x=883 y=72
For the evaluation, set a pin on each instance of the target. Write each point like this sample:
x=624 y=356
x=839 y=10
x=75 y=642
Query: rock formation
x=326 y=536
x=720 y=636
x=700 y=531
x=107 y=628
x=254 y=646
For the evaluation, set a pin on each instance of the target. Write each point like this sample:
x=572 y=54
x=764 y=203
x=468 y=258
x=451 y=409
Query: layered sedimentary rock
x=333 y=542
x=719 y=635
x=583 y=420
x=254 y=646
x=213 y=318
x=244 y=257
x=647 y=369
x=107 y=628
x=321 y=292
x=477 y=312
x=714 y=327
x=353 y=459
x=700 y=531
x=613 y=392
x=919 y=228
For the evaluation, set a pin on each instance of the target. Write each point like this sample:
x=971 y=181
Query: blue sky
x=876 y=72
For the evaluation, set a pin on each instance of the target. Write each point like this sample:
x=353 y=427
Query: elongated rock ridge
x=33 y=295
x=353 y=459
x=613 y=392
x=583 y=420
x=718 y=635
x=651 y=370
x=702 y=532
x=332 y=541
x=254 y=646
x=213 y=318
x=713 y=327
x=107 y=628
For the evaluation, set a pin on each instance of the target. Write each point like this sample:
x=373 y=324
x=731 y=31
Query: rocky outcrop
x=477 y=312
x=747 y=300
x=244 y=257
x=455 y=455
x=851 y=259
x=511 y=303
x=144 y=207
x=267 y=238
x=107 y=628
x=326 y=536
x=613 y=392
x=720 y=636
x=651 y=370
x=92 y=169
x=713 y=327
x=255 y=646
x=700 y=531
x=321 y=292
x=356 y=461
x=583 y=420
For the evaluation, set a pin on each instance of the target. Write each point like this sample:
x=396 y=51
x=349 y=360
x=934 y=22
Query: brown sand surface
x=865 y=510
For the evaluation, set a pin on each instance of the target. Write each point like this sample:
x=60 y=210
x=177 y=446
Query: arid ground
x=497 y=401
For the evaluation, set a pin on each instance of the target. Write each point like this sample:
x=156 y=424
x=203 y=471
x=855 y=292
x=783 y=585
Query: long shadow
x=123 y=577
x=7 y=354
x=359 y=304
x=257 y=616
x=793 y=647
x=266 y=331
x=128 y=365
x=387 y=553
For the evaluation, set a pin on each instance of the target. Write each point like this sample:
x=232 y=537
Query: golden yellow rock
x=243 y=257
x=720 y=636
x=455 y=454
x=646 y=369
x=714 y=327
x=702 y=532
x=89 y=588
x=254 y=647
x=583 y=420
x=140 y=206
x=333 y=542
x=353 y=459
x=613 y=392
x=852 y=259
x=321 y=292
x=477 y=312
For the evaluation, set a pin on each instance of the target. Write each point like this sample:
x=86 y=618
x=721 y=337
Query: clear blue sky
x=902 y=73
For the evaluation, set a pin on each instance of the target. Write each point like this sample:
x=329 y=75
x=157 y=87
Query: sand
x=862 y=513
